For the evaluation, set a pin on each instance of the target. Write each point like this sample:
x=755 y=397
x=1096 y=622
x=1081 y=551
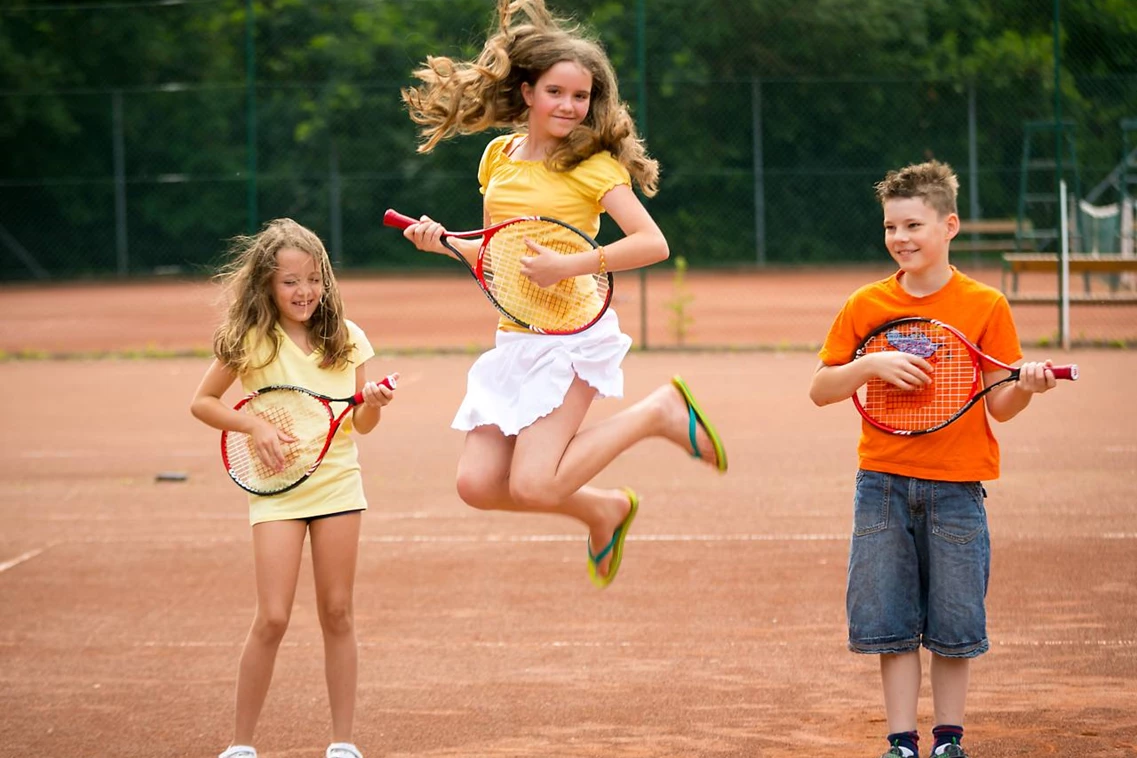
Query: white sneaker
x=341 y=750
x=240 y=751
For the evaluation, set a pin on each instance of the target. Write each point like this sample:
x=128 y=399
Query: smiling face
x=558 y=101
x=917 y=236
x=297 y=286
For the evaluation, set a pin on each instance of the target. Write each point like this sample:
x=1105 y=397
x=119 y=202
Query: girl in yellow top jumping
x=286 y=326
x=574 y=156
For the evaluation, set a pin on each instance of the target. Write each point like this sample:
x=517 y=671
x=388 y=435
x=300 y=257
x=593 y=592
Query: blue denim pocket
x=958 y=514
x=870 y=505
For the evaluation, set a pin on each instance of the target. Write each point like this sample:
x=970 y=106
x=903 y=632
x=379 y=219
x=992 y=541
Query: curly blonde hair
x=466 y=97
x=248 y=279
x=934 y=182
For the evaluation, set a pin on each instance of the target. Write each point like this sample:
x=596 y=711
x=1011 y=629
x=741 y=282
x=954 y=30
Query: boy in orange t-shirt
x=920 y=554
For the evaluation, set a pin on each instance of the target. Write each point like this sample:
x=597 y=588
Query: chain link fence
x=140 y=136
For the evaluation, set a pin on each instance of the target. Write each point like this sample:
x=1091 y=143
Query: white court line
x=151 y=517
x=498 y=538
x=562 y=644
x=450 y=539
x=23 y=558
x=1066 y=643
x=473 y=539
x=53 y=454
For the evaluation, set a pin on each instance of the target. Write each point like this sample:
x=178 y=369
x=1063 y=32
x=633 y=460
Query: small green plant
x=680 y=319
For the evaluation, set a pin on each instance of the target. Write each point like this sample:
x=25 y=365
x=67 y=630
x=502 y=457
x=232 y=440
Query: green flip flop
x=615 y=546
x=697 y=417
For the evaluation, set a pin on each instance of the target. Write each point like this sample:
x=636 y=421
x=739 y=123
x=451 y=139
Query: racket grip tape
x=1066 y=372
x=387 y=381
x=397 y=220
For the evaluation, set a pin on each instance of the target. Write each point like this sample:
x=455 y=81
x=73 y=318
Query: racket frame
x=334 y=423
x=398 y=220
x=978 y=358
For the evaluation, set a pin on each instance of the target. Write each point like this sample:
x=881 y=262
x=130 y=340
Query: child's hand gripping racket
x=957 y=380
x=567 y=307
x=302 y=415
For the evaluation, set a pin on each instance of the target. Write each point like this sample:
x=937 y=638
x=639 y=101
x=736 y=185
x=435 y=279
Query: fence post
x=974 y=210
x=759 y=171
x=335 y=204
x=641 y=118
x=251 y=117
x=118 y=150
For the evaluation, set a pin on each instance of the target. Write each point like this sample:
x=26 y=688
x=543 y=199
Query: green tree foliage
x=844 y=90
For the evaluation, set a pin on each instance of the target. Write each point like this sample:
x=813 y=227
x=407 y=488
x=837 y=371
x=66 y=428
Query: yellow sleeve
x=364 y=350
x=491 y=156
x=595 y=177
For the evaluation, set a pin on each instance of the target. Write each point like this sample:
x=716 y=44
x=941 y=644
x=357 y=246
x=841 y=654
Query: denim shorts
x=919 y=564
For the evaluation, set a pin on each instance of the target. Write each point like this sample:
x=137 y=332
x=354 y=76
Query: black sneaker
x=951 y=751
x=897 y=752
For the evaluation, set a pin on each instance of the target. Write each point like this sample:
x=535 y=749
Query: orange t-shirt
x=965 y=450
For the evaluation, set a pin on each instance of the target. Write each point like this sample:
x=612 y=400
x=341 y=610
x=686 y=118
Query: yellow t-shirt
x=337 y=485
x=965 y=450
x=515 y=188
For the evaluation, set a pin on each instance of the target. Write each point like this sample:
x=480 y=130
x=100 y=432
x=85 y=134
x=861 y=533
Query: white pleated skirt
x=526 y=376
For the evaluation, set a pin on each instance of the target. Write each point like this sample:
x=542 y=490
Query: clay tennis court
x=124 y=600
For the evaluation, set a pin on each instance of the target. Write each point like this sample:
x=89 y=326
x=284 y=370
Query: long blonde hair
x=248 y=280
x=465 y=97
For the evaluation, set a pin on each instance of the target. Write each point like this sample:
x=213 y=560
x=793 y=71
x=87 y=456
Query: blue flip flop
x=615 y=546
x=697 y=417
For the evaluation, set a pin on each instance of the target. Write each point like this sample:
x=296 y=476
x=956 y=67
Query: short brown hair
x=934 y=182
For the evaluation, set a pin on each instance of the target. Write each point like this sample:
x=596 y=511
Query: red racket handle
x=1066 y=372
x=387 y=381
x=397 y=220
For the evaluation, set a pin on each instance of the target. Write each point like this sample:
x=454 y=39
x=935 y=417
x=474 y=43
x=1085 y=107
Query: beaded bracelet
x=603 y=263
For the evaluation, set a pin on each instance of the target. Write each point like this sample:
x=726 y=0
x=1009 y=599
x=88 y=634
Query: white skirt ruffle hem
x=525 y=376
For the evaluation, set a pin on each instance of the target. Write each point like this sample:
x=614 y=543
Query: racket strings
x=954 y=379
x=568 y=304
x=300 y=416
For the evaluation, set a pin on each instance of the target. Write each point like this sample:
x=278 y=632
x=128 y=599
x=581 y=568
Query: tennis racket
x=305 y=416
x=567 y=307
x=956 y=386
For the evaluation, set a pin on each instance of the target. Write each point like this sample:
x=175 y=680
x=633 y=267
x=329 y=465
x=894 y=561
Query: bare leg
x=335 y=548
x=557 y=457
x=276 y=547
x=900 y=676
x=547 y=466
x=950 y=679
x=484 y=480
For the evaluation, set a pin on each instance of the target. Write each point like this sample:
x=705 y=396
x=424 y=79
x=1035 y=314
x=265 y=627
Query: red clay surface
x=125 y=600
x=723 y=310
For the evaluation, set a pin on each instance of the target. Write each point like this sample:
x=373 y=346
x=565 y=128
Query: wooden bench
x=1085 y=264
x=983 y=237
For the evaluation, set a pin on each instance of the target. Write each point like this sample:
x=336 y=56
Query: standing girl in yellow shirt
x=286 y=326
x=574 y=156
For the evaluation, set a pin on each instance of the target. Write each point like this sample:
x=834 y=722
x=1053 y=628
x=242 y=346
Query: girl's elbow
x=195 y=409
